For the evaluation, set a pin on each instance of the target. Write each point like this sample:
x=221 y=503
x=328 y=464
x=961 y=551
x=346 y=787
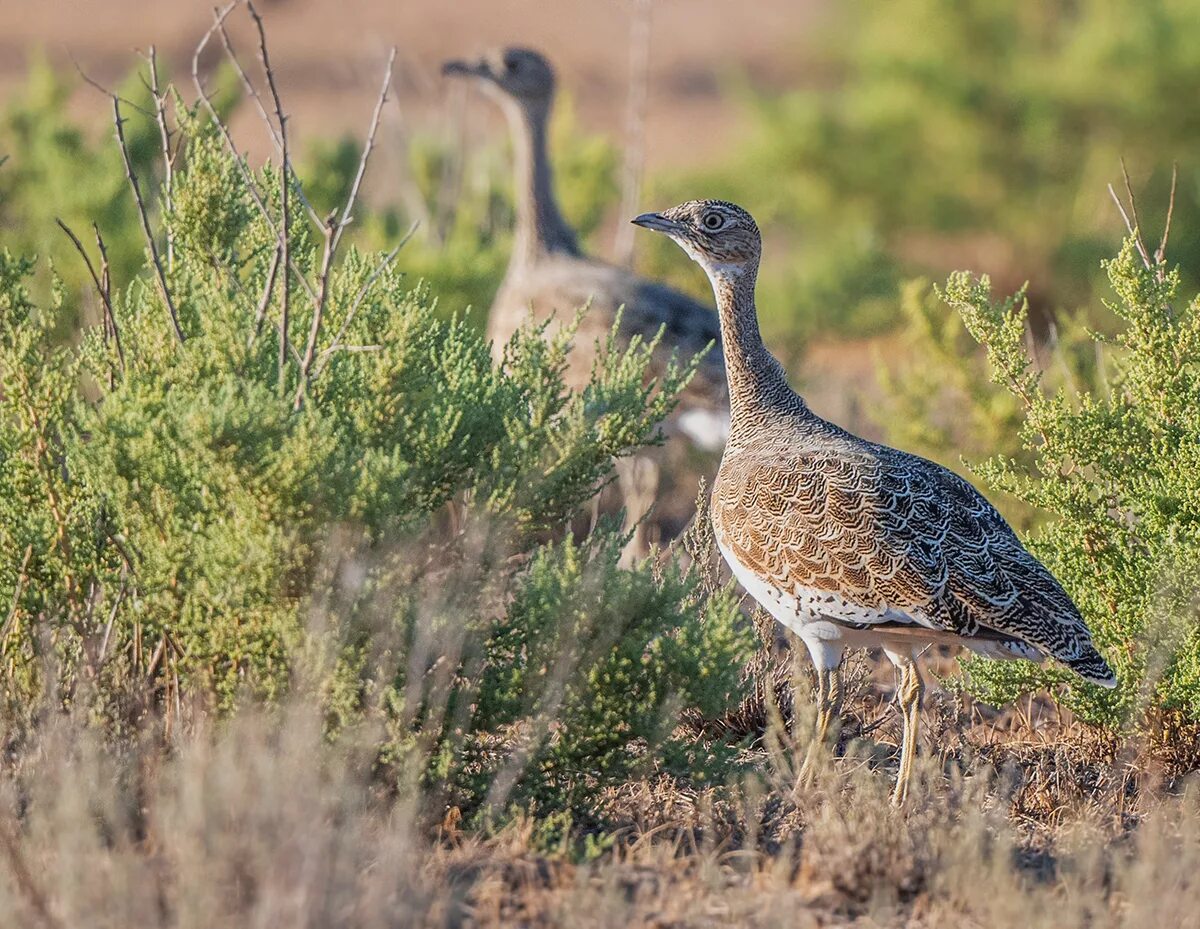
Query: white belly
x=801 y=606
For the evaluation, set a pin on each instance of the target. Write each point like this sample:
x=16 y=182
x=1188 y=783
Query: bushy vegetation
x=1113 y=468
x=359 y=503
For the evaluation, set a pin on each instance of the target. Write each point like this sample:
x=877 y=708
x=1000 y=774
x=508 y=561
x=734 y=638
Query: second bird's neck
x=757 y=382
x=541 y=229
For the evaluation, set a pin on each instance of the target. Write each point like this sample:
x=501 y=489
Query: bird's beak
x=656 y=222
x=457 y=68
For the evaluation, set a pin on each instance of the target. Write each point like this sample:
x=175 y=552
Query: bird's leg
x=829 y=704
x=909 y=695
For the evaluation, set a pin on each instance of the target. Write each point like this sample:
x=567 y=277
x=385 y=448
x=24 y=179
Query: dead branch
x=219 y=17
x=106 y=290
x=1137 y=222
x=1128 y=224
x=279 y=139
x=1161 y=253
x=284 y=185
x=92 y=82
x=101 y=283
x=160 y=117
x=265 y=302
x=333 y=235
x=347 y=218
x=119 y=122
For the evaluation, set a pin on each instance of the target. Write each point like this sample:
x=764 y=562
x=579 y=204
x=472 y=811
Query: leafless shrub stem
x=334 y=227
x=161 y=276
x=101 y=283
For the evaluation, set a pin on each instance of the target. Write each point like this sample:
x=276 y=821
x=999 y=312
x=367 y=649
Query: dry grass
x=261 y=821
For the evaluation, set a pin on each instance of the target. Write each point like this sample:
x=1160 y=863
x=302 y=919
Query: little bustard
x=853 y=544
x=549 y=277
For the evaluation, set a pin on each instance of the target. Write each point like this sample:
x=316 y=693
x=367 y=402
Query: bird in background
x=852 y=544
x=550 y=278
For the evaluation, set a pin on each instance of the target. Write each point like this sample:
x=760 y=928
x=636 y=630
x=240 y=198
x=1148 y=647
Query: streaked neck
x=757 y=382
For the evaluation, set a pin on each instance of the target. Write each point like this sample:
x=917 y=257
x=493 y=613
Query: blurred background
x=881 y=145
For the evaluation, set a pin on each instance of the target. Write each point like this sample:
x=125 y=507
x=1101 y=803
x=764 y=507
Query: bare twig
x=119 y=122
x=160 y=117
x=112 y=617
x=1137 y=222
x=1161 y=254
x=106 y=290
x=278 y=139
x=284 y=185
x=219 y=17
x=635 y=127
x=265 y=302
x=1129 y=225
x=92 y=82
x=101 y=283
x=347 y=218
x=333 y=236
x=387 y=259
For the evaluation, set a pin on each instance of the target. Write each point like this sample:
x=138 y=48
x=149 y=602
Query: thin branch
x=280 y=142
x=1161 y=254
x=362 y=293
x=265 y=302
x=333 y=236
x=255 y=194
x=284 y=186
x=366 y=154
x=119 y=122
x=106 y=287
x=92 y=82
x=1137 y=222
x=1129 y=225
x=112 y=617
x=160 y=117
x=100 y=282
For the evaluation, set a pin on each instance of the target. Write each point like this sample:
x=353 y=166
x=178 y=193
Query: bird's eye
x=511 y=63
x=714 y=221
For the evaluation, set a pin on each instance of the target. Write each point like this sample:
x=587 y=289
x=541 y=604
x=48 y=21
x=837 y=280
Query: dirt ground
x=329 y=55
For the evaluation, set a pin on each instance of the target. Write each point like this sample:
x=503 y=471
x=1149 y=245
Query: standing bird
x=550 y=277
x=853 y=544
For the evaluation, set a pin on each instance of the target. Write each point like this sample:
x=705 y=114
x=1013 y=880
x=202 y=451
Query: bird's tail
x=1091 y=666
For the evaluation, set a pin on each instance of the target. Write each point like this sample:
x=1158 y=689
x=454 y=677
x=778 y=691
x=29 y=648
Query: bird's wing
x=889 y=534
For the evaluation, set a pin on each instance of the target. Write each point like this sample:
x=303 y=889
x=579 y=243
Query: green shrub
x=1115 y=468
x=190 y=516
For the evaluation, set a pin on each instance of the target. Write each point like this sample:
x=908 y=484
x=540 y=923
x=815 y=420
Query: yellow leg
x=829 y=705
x=909 y=695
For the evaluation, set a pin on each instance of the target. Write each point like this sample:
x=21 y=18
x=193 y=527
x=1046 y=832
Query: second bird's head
x=719 y=236
x=518 y=74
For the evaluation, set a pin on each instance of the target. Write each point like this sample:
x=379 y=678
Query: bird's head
x=520 y=74
x=721 y=237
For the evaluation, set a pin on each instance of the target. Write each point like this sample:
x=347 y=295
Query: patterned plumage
x=851 y=543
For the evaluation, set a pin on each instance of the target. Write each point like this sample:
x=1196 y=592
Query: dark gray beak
x=657 y=222
x=467 y=69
